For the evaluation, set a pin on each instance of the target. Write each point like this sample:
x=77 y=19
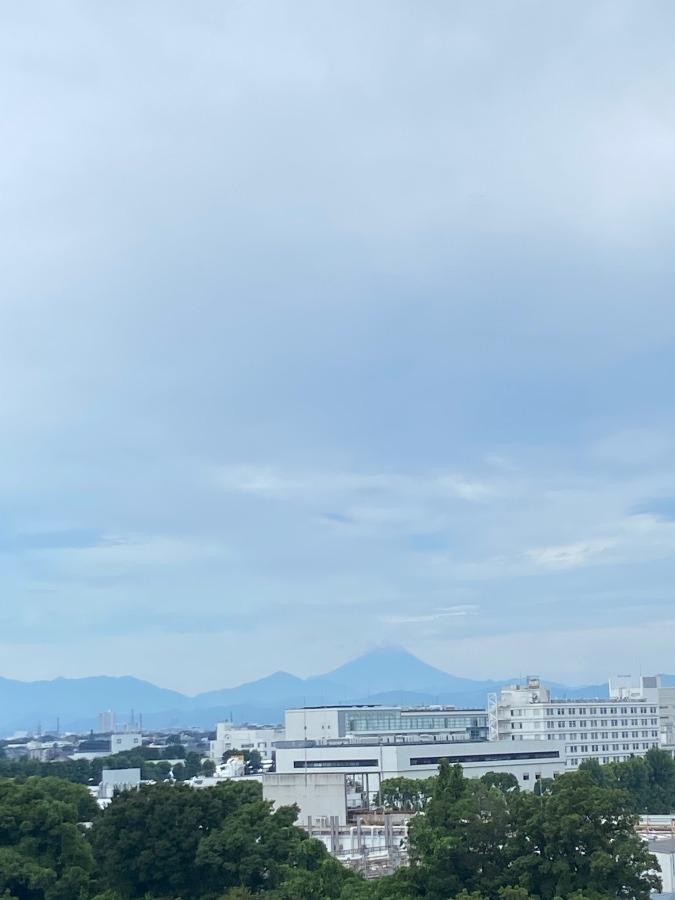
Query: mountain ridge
x=378 y=676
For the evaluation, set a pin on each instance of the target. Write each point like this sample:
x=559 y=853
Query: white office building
x=607 y=730
x=385 y=724
x=369 y=764
x=262 y=738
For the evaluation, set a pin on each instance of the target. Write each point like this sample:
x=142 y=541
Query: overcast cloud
x=325 y=325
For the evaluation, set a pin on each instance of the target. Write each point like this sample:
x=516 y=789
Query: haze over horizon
x=327 y=327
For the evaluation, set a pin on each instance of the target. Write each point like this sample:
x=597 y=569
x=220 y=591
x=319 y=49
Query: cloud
x=661 y=508
x=570 y=556
x=291 y=327
x=447 y=612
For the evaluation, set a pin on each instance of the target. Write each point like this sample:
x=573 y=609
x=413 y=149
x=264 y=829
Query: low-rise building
x=394 y=724
x=114 y=780
x=369 y=764
x=96 y=746
x=262 y=738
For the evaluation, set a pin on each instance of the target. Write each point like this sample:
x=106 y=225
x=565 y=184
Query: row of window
x=604 y=748
x=604 y=759
x=600 y=735
x=603 y=723
x=602 y=710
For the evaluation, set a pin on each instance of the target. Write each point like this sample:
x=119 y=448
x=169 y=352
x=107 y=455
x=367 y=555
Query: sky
x=333 y=325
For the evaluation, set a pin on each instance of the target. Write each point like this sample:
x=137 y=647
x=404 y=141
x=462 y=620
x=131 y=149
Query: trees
x=458 y=843
x=505 y=781
x=44 y=854
x=252 y=759
x=575 y=839
x=169 y=841
x=472 y=840
x=580 y=837
x=147 y=840
x=405 y=794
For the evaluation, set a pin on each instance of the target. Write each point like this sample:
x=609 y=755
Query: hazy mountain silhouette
x=391 y=676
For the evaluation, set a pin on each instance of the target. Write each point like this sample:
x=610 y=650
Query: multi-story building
x=107 y=722
x=667 y=716
x=369 y=764
x=262 y=738
x=385 y=724
x=610 y=730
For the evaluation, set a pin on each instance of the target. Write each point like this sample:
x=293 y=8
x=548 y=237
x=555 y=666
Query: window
x=603 y=710
x=624 y=721
x=624 y=710
x=330 y=763
x=594 y=748
x=625 y=746
x=583 y=724
x=526 y=776
x=582 y=711
x=594 y=723
x=624 y=734
x=633 y=709
x=573 y=749
x=614 y=723
x=615 y=746
x=573 y=724
x=593 y=711
x=584 y=748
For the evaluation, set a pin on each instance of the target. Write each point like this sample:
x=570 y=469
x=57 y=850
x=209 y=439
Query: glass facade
x=474 y=722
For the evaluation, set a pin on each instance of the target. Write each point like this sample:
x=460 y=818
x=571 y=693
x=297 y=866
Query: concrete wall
x=125 y=741
x=318 y=795
x=666 y=860
x=318 y=724
x=387 y=760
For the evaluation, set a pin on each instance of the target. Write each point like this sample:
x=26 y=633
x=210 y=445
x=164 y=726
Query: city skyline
x=327 y=331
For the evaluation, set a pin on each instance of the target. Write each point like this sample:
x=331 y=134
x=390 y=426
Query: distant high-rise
x=107 y=722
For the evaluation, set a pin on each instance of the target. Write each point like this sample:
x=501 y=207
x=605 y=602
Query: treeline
x=83 y=771
x=483 y=839
x=164 y=841
x=476 y=840
x=649 y=780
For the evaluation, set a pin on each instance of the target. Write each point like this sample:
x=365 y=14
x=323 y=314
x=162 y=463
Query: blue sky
x=331 y=325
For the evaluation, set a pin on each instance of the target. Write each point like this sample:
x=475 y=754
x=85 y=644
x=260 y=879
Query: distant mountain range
x=388 y=676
